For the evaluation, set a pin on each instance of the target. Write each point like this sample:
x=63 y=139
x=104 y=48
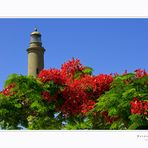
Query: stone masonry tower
x=35 y=54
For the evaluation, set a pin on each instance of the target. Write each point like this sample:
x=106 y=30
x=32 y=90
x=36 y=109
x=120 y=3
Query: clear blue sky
x=106 y=45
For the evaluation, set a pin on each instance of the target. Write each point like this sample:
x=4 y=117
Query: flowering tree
x=125 y=105
x=73 y=98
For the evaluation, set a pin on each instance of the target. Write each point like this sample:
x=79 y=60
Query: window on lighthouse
x=35 y=38
x=37 y=71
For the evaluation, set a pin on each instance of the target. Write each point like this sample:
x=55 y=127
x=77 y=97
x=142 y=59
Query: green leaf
x=119 y=124
x=112 y=112
x=129 y=92
x=128 y=76
x=77 y=75
x=18 y=105
x=88 y=70
x=11 y=78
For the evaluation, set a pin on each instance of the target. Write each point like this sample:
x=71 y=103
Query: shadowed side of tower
x=35 y=54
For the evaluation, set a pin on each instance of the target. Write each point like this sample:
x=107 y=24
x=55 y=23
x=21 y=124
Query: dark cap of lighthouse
x=35 y=37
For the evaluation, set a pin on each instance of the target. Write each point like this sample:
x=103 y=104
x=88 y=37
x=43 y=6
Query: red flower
x=116 y=74
x=87 y=106
x=139 y=107
x=125 y=72
x=140 y=73
x=69 y=69
x=109 y=119
x=102 y=83
x=8 y=90
x=74 y=96
x=51 y=75
x=46 y=95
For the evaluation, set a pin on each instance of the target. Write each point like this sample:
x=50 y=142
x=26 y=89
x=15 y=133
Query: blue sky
x=106 y=45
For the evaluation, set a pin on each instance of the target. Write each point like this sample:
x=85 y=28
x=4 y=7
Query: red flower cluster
x=107 y=118
x=87 y=106
x=75 y=106
x=8 y=90
x=74 y=97
x=70 y=68
x=78 y=94
x=46 y=96
x=63 y=76
x=139 y=107
x=102 y=83
x=86 y=83
x=51 y=75
x=140 y=73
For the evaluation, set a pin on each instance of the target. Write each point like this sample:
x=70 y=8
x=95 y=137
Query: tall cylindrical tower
x=35 y=54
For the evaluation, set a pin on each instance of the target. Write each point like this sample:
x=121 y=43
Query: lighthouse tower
x=35 y=54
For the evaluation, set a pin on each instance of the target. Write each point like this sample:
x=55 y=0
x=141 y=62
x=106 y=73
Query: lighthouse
x=35 y=54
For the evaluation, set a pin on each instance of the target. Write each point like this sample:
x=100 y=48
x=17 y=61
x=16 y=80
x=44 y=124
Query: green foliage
x=117 y=101
x=28 y=108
